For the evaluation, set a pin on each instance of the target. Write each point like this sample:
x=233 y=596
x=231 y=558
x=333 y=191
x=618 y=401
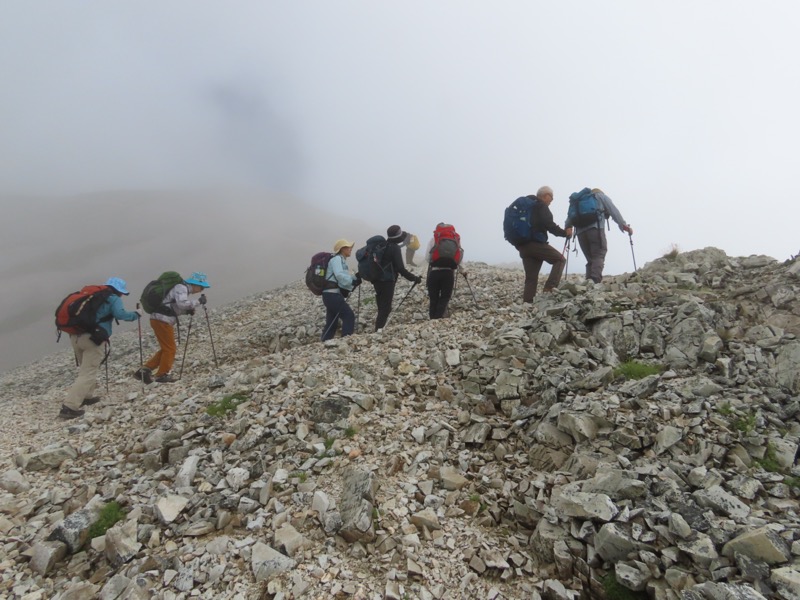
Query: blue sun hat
x=199 y=278
x=118 y=284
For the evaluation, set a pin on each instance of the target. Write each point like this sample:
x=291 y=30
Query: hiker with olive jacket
x=392 y=265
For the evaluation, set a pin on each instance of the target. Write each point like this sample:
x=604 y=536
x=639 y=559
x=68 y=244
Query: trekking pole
x=328 y=328
x=141 y=352
x=188 y=331
x=566 y=266
x=210 y=337
x=470 y=290
x=358 y=307
x=630 y=237
x=105 y=360
x=406 y=296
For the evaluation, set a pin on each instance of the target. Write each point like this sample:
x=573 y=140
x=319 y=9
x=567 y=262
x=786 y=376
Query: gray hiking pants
x=594 y=248
x=533 y=254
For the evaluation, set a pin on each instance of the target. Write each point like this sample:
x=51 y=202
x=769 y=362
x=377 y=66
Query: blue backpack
x=518 y=221
x=584 y=208
x=370 y=259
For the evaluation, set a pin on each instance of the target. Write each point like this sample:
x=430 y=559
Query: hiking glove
x=356 y=281
x=190 y=311
x=418 y=279
x=203 y=299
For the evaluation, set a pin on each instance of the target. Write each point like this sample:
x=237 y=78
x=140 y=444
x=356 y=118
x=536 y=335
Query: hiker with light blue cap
x=91 y=347
x=175 y=302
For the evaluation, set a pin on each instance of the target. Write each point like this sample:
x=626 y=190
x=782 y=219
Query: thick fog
x=684 y=113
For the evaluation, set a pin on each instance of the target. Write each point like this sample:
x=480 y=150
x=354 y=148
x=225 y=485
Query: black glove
x=203 y=299
x=356 y=281
x=418 y=279
x=190 y=311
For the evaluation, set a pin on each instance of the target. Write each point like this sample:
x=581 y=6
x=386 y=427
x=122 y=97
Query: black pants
x=336 y=308
x=440 y=289
x=384 y=292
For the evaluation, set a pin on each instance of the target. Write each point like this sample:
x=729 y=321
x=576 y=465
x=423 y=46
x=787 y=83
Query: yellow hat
x=342 y=243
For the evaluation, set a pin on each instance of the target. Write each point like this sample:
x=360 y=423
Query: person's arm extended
x=118 y=310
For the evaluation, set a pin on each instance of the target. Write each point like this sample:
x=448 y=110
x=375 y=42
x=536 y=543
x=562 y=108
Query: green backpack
x=154 y=293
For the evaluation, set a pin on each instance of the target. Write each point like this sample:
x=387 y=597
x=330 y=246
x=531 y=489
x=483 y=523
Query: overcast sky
x=686 y=113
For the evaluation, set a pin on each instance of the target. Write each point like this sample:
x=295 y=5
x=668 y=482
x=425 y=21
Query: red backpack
x=446 y=251
x=77 y=313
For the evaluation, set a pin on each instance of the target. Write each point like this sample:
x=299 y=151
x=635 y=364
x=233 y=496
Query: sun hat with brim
x=118 y=284
x=198 y=278
x=342 y=243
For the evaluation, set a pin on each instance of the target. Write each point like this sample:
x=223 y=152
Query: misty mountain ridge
x=246 y=241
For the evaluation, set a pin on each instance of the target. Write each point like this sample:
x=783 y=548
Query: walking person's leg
x=165 y=334
x=557 y=260
x=91 y=357
x=331 y=315
x=599 y=249
x=347 y=316
x=447 y=283
x=432 y=283
x=532 y=263
x=384 y=292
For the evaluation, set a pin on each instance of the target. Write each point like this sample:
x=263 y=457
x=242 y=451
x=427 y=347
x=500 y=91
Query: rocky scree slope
x=499 y=453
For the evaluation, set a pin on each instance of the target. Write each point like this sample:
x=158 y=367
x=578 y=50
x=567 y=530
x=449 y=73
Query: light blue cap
x=118 y=284
x=199 y=278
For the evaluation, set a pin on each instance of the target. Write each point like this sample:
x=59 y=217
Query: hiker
x=163 y=319
x=392 y=266
x=444 y=254
x=339 y=284
x=90 y=354
x=535 y=250
x=411 y=244
x=588 y=218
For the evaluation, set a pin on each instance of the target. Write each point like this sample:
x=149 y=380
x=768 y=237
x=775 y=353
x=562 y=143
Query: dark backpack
x=317 y=271
x=518 y=221
x=584 y=208
x=154 y=293
x=77 y=313
x=446 y=251
x=370 y=259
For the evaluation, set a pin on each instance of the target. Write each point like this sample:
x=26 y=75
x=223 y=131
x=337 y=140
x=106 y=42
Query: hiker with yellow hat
x=340 y=283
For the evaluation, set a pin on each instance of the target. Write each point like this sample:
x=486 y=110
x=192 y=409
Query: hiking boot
x=68 y=413
x=167 y=378
x=144 y=374
x=90 y=401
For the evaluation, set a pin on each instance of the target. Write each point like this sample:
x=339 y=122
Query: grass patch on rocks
x=111 y=514
x=632 y=369
x=226 y=405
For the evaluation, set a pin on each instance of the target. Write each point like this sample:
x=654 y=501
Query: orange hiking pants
x=165 y=357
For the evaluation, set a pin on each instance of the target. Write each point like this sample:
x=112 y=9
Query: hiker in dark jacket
x=90 y=355
x=592 y=237
x=537 y=251
x=392 y=265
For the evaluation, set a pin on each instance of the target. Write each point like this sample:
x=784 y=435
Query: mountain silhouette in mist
x=246 y=241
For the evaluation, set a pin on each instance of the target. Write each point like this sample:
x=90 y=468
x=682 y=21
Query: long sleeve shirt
x=393 y=259
x=339 y=273
x=112 y=309
x=178 y=299
x=608 y=210
x=542 y=223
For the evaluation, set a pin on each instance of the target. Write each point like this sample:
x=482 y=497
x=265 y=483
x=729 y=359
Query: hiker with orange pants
x=163 y=321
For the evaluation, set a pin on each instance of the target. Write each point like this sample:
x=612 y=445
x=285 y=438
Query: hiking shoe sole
x=92 y=400
x=68 y=413
x=166 y=379
x=144 y=375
